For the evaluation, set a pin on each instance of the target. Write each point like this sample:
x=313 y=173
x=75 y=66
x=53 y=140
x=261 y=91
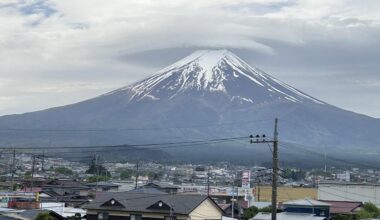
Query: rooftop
x=306 y=202
x=343 y=207
x=146 y=202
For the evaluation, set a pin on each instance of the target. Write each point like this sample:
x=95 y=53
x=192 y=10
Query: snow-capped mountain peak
x=209 y=64
x=215 y=71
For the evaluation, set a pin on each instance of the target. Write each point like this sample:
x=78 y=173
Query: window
x=170 y=218
x=135 y=217
x=102 y=215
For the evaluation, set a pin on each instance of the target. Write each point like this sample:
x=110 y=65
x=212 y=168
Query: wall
x=206 y=210
x=350 y=192
x=117 y=215
x=285 y=194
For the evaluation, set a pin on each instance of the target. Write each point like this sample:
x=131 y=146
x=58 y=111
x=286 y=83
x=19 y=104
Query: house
x=66 y=187
x=62 y=210
x=28 y=214
x=302 y=209
x=288 y=216
x=141 y=206
x=347 y=208
x=71 y=192
x=308 y=206
x=104 y=186
x=165 y=187
x=238 y=207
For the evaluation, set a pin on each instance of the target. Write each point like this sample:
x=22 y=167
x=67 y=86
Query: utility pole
x=233 y=197
x=97 y=172
x=325 y=162
x=274 y=163
x=275 y=171
x=171 y=214
x=237 y=201
x=208 y=183
x=43 y=162
x=258 y=190
x=13 y=169
x=137 y=174
x=33 y=163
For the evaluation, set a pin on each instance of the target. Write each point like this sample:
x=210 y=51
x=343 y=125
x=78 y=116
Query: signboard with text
x=246 y=179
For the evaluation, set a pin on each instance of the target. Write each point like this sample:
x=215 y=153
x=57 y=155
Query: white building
x=346 y=191
x=345 y=176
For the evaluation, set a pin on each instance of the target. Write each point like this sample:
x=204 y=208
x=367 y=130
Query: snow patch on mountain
x=214 y=71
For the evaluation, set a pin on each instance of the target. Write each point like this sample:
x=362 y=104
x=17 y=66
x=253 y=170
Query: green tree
x=266 y=209
x=369 y=210
x=343 y=217
x=63 y=170
x=44 y=216
x=28 y=174
x=97 y=169
x=294 y=174
x=126 y=173
x=250 y=212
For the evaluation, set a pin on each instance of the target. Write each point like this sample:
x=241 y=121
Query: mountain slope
x=209 y=94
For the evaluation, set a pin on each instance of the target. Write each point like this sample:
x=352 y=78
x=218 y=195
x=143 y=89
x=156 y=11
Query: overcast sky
x=57 y=52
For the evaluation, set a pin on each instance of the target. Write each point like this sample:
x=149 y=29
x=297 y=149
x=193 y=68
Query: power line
x=334 y=131
x=352 y=193
x=130 y=145
x=311 y=152
x=134 y=129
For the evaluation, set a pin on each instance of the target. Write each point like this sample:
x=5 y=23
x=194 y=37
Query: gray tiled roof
x=161 y=185
x=139 y=202
x=147 y=190
x=306 y=202
x=3 y=217
x=103 y=183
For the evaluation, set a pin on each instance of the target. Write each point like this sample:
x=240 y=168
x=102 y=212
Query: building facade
x=346 y=191
x=145 y=206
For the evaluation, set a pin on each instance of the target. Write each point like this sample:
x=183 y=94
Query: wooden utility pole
x=97 y=172
x=33 y=164
x=13 y=169
x=43 y=162
x=137 y=174
x=258 y=191
x=275 y=171
x=261 y=139
x=208 y=183
x=233 y=197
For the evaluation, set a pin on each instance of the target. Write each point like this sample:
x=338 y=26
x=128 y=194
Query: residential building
x=104 y=186
x=347 y=208
x=307 y=205
x=288 y=216
x=144 y=206
x=302 y=209
x=165 y=187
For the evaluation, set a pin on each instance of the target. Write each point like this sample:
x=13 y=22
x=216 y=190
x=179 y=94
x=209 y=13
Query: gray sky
x=57 y=52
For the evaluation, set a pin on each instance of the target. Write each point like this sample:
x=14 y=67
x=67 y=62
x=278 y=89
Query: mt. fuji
x=206 y=95
x=215 y=72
